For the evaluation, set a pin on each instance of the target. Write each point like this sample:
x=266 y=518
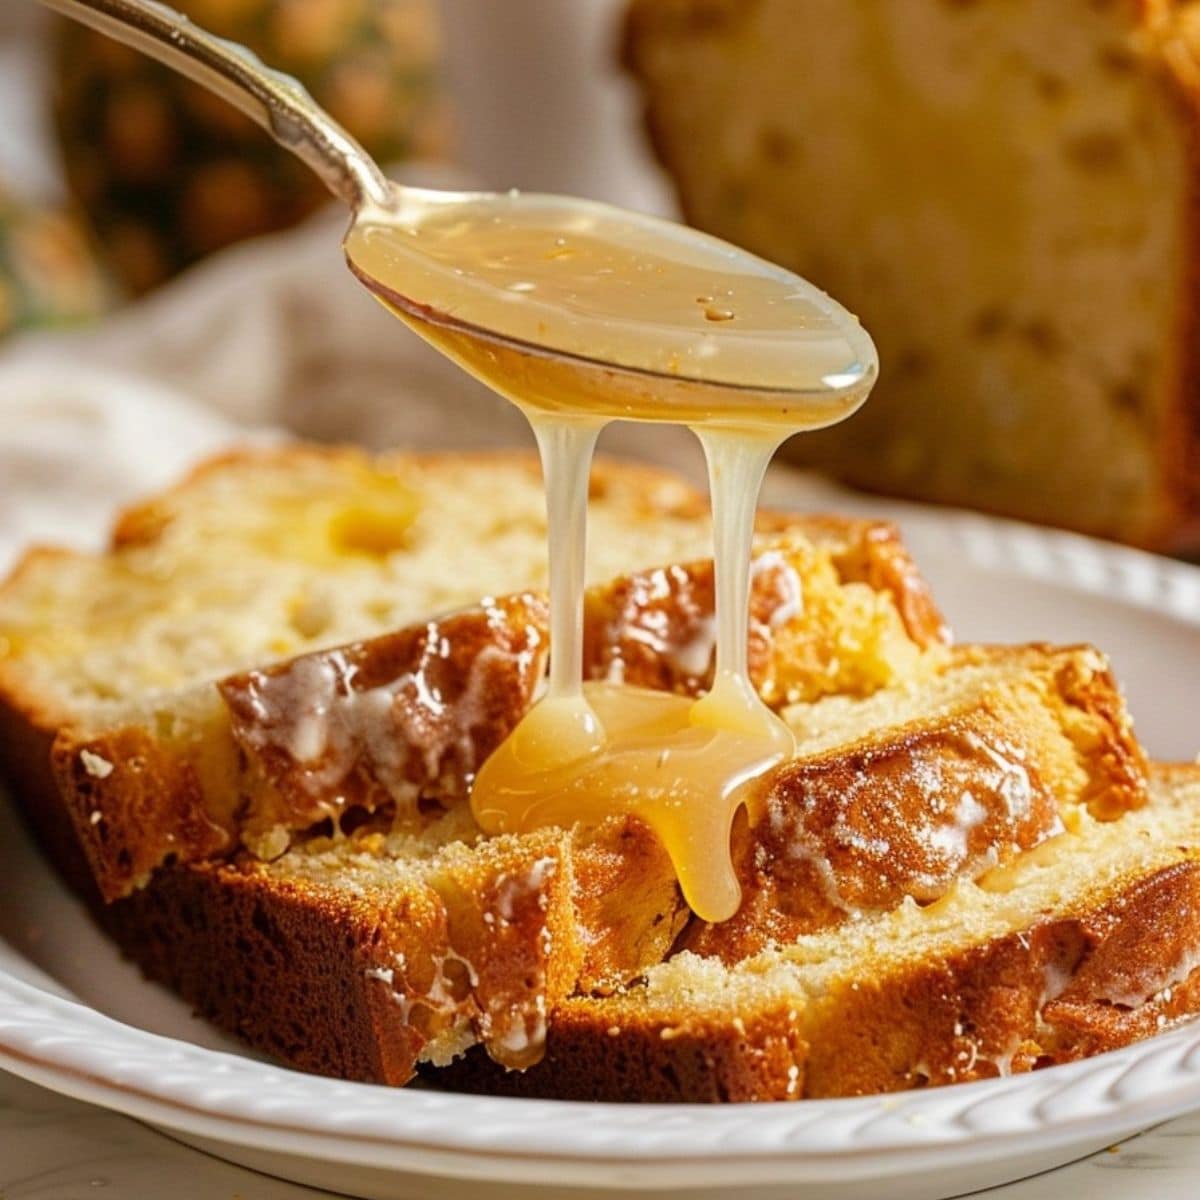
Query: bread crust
x=399 y=718
x=913 y=810
x=1180 y=438
x=286 y=969
x=477 y=944
x=360 y=983
x=134 y=802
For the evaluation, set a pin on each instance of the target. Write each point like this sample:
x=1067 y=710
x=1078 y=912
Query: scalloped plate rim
x=866 y=1159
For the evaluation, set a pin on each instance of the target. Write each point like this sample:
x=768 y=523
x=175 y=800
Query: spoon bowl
x=620 y=298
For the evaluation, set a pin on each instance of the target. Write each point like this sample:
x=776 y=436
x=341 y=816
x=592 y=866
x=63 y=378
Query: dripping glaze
x=692 y=332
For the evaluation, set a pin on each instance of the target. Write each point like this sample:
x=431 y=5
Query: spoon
x=625 y=314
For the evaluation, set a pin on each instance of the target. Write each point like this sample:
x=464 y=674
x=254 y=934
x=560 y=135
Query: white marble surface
x=52 y=1148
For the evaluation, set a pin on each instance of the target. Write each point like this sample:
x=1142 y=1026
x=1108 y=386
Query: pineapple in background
x=167 y=173
x=48 y=274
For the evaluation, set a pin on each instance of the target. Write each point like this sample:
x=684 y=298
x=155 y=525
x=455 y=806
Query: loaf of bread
x=1004 y=191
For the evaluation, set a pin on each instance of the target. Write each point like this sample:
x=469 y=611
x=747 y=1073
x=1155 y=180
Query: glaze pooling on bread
x=909 y=791
x=410 y=716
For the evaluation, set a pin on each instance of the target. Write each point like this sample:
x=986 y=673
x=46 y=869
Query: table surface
x=52 y=1148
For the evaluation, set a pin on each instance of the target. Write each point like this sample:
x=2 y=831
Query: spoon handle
x=276 y=101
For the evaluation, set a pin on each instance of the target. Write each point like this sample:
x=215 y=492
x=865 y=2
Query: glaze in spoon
x=614 y=295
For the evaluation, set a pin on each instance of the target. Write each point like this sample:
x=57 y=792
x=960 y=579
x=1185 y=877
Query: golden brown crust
x=406 y=715
x=360 y=982
x=596 y=1051
x=135 y=803
x=1177 y=24
x=911 y=810
x=627 y=898
x=25 y=746
x=879 y=558
x=283 y=967
x=860 y=828
x=1102 y=730
x=1034 y=998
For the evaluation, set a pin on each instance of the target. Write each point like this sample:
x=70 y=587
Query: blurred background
x=138 y=174
x=1001 y=192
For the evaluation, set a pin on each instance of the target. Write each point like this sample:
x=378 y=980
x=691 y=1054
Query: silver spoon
x=649 y=318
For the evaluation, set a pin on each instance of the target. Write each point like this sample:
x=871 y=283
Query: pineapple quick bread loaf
x=1028 y=170
x=254 y=734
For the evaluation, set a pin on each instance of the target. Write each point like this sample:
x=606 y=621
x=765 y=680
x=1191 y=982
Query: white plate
x=76 y=1019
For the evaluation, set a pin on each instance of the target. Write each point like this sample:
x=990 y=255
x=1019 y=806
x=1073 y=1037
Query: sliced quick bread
x=283 y=837
x=999 y=752
x=109 y=663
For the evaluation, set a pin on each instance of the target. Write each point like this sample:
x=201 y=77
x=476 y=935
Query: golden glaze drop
x=687 y=324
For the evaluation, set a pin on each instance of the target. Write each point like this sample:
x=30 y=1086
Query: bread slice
x=998 y=752
x=1084 y=944
x=110 y=664
x=939 y=779
x=360 y=957
x=1005 y=192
